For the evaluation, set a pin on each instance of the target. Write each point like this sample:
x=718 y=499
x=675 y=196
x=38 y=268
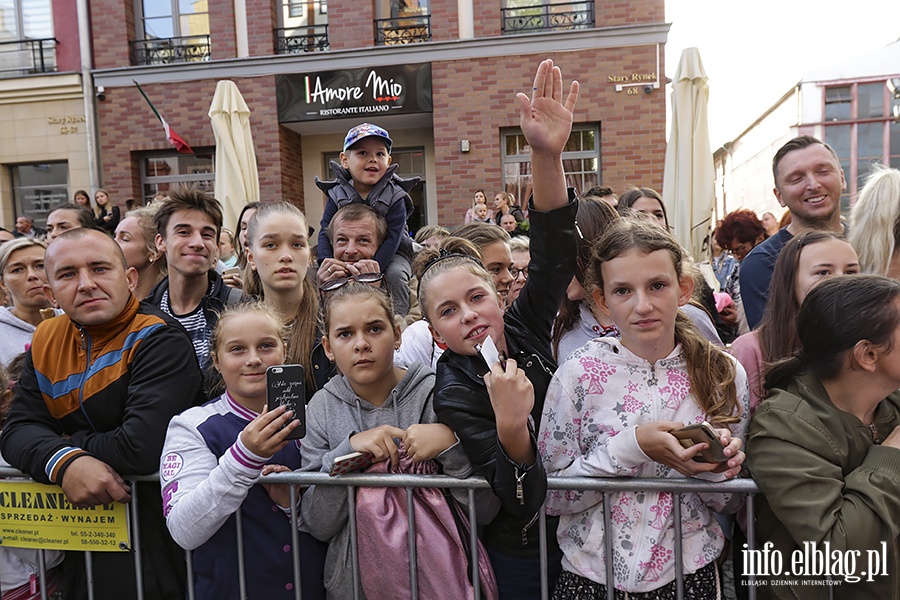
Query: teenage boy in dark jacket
x=188 y=225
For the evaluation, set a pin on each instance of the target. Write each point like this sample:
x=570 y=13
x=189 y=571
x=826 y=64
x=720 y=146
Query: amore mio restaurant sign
x=376 y=91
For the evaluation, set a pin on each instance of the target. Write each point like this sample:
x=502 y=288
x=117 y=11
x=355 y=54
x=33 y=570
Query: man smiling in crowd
x=809 y=182
x=188 y=225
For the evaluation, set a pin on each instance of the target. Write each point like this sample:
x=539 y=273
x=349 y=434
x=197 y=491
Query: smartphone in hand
x=284 y=387
x=350 y=463
x=702 y=433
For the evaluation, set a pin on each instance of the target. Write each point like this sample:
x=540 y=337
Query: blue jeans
x=520 y=578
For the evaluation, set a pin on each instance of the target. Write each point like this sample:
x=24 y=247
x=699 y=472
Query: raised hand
x=545 y=121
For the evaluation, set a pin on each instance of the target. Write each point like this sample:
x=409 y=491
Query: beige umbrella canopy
x=689 y=177
x=237 y=179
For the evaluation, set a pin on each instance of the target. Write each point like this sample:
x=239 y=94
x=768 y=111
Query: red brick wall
x=474 y=99
x=629 y=12
x=112 y=23
x=128 y=128
x=351 y=24
x=68 y=54
x=291 y=167
x=444 y=20
x=261 y=22
x=221 y=30
x=487 y=18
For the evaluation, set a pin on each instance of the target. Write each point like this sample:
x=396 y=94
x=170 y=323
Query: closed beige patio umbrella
x=689 y=177
x=237 y=179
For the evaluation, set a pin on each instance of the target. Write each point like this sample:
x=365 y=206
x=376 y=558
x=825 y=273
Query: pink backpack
x=442 y=544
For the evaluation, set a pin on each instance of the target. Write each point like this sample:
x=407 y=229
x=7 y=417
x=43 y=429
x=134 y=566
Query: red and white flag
x=174 y=139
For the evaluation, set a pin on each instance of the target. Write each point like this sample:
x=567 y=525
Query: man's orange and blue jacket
x=107 y=390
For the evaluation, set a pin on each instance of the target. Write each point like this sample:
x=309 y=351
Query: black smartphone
x=284 y=387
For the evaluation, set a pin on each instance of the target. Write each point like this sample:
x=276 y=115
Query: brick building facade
x=478 y=60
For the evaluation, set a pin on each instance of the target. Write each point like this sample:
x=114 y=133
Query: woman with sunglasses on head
x=278 y=255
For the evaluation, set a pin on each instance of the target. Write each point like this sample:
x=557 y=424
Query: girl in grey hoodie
x=372 y=404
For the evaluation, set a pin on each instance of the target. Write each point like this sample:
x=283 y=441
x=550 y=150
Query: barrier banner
x=34 y=515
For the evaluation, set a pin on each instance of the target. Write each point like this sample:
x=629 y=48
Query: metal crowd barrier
x=676 y=487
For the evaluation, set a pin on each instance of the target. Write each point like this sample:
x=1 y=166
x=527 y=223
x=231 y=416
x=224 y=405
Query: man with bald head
x=100 y=384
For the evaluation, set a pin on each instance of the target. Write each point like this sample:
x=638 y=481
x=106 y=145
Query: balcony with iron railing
x=164 y=51
x=27 y=57
x=412 y=29
x=297 y=40
x=553 y=16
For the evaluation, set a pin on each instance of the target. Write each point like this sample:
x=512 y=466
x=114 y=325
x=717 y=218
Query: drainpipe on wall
x=87 y=90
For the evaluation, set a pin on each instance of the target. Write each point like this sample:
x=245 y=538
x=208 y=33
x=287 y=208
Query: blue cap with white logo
x=366 y=130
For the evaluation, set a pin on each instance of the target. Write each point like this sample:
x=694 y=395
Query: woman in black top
x=106 y=216
x=504 y=204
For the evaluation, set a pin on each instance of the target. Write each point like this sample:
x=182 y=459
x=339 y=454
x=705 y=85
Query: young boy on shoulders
x=365 y=174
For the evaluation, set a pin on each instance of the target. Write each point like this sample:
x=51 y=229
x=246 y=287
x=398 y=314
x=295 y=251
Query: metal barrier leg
x=295 y=542
x=473 y=542
x=411 y=540
x=42 y=574
x=608 y=548
x=242 y=573
x=136 y=543
x=751 y=541
x=354 y=556
x=89 y=574
x=542 y=551
x=189 y=560
x=679 y=549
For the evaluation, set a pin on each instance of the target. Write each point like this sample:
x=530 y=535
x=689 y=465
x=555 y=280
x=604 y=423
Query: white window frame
x=516 y=168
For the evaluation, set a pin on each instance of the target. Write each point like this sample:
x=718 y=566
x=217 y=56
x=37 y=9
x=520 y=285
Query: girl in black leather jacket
x=495 y=409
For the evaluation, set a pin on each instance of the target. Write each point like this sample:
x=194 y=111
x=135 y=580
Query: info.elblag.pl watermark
x=824 y=564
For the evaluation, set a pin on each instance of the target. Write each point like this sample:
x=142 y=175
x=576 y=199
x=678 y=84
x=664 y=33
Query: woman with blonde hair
x=106 y=215
x=136 y=235
x=875 y=224
x=504 y=204
x=22 y=278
